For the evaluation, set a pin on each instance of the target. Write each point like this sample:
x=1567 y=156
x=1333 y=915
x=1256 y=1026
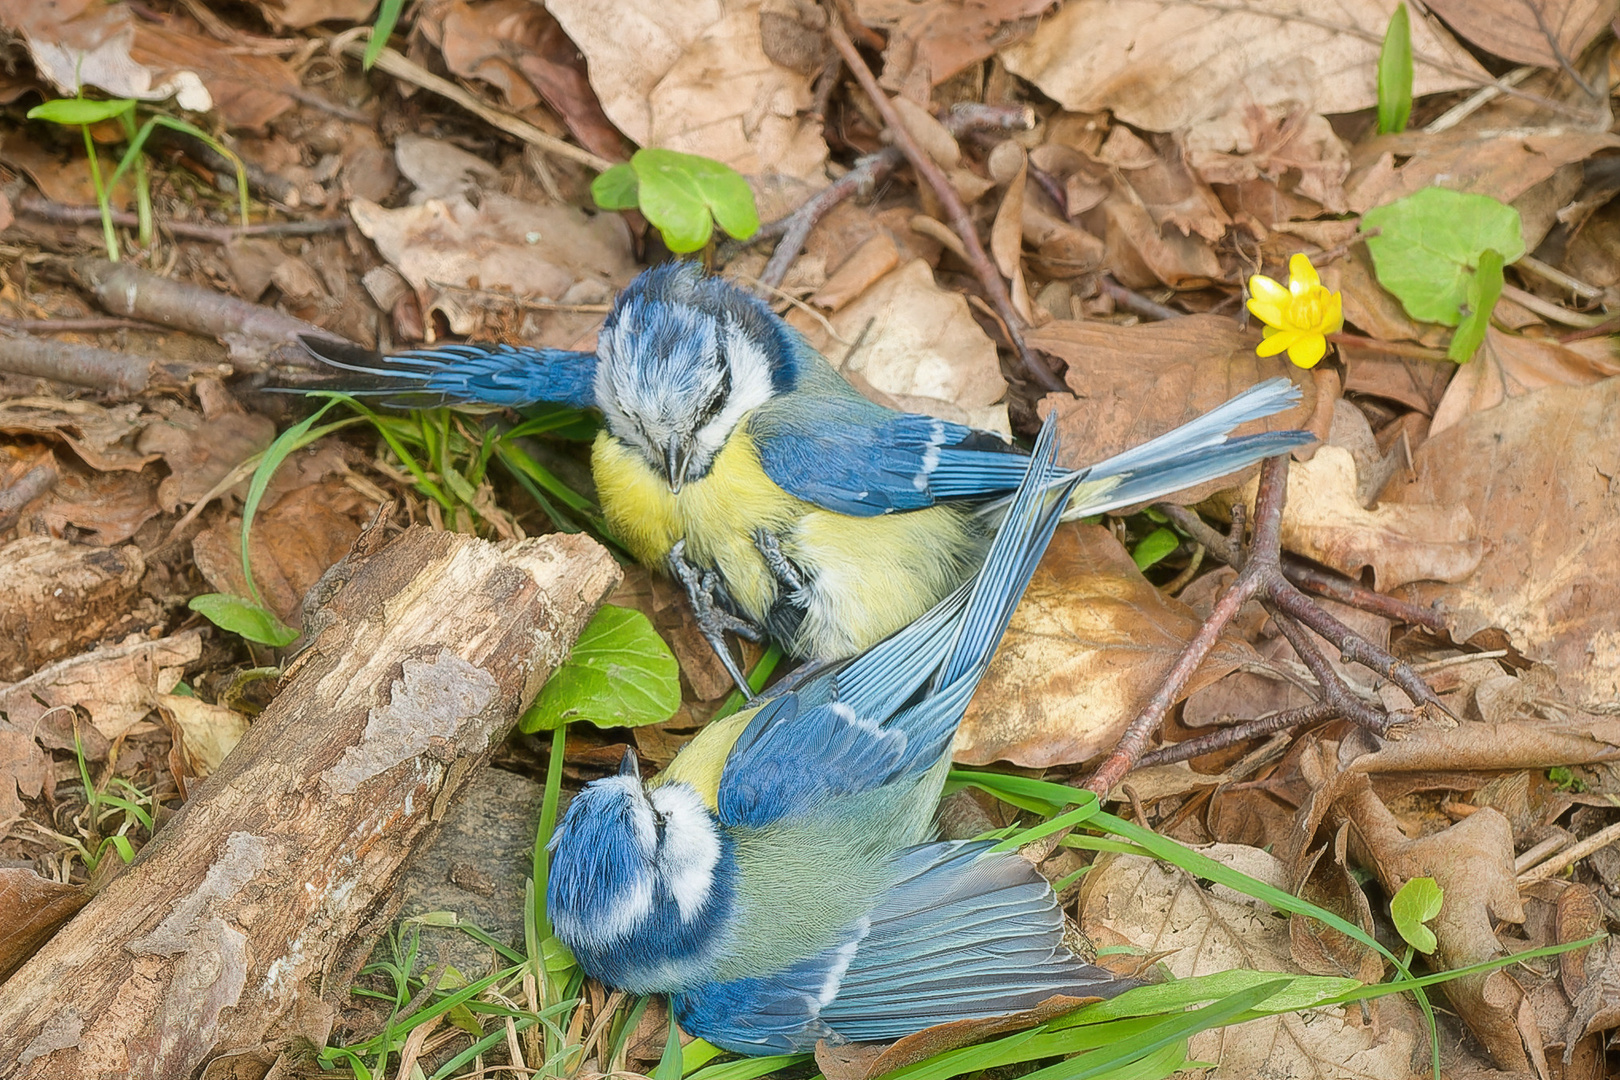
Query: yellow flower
x=1298 y=318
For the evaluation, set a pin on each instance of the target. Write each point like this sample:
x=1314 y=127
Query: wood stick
x=240 y=926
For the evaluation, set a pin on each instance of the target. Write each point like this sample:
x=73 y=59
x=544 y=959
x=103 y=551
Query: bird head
x=641 y=881
x=682 y=359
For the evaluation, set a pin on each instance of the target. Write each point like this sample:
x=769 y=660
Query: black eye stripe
x=717 y=401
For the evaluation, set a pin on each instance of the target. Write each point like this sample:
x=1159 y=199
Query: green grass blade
x=274 y=455
x=1395 y=74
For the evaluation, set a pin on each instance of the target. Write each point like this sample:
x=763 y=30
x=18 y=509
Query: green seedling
x=1154 y=547
x=1418 y=902
x=683 y=196
x=1441 y=253
x=620 y=674
x=1395 y=74
x=83 y=112
x=387 y=18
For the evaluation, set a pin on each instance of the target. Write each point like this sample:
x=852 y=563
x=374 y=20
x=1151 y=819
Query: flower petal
x=1302 y=275
x=1268 y=291
x=1267 y=312
x=1307 y=350
x=1333 y=320
x=1277 y=342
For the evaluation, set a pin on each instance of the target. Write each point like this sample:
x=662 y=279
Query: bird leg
x=780 y=566
x=713 y=620
x=1264 y=574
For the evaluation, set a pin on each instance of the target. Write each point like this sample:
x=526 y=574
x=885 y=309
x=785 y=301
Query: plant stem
x=103 y=199
x=548 y=822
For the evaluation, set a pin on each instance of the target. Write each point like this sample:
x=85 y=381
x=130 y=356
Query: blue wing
x=501 y=375
x=867 y=461
x=964 y=933
x=847 y=732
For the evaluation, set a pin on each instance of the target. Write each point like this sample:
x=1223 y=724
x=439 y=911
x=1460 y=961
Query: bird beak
x=630 y=766
x=675 y=463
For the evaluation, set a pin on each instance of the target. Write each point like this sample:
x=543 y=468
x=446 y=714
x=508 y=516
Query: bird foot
x=713 y=621
x=780 y=566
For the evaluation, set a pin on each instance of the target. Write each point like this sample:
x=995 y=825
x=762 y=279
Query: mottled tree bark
x=237 y=930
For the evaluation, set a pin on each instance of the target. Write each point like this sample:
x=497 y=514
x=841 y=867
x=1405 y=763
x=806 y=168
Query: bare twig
x=1572 y=855
x=62 y=214
x=1550 y=311
x=1135 y=302
x=93 y=325
x=29 y=486
x=931 y=174
x=1314 y=713
x=119 y=374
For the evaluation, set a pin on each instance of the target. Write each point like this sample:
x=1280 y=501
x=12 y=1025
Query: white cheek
x=626 y=913
x=691 y=848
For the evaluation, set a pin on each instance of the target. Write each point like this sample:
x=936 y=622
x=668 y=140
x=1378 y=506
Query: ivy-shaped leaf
x=1418 y=901
x=620 y=674
x=1429 y=245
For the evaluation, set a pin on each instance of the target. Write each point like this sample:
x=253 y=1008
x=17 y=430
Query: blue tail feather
x=500 y=375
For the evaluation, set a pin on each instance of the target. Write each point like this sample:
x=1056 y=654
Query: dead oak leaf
x=1165 y=65
x=940 y=39
x=1542 y=33
x=1538 y=473
x=77 y=43
x=102 y=436
x=1414 y=540
x=117 y=685
x=1512 y=366
x=1192 y=365
x=31 y=910
x=1085 y=648
x=1503 y=166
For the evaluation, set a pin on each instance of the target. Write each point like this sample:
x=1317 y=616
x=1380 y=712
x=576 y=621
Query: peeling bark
x=237 y=929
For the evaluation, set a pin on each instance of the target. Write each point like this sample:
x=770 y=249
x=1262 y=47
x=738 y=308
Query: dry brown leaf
x=1403 y=542
x=102 y=436
x=1526 y=743
x=117 y=685
x=1132 y=383
x=1512 y=366
x=25 y=769
x=1417 y=384
x=1163 y=184
x=1161 y=909
x=1088 y=644
x=201 y=450
x=206 y=733
x=921 y=349
x=1501 y=165
x=76 y=43
x=297 y=14
x=935 y=41
x=248 y=90
x=1531 y=32
x=31 y=908
x=1472 y=861
x=693 y=75
x=1164 y=65
x=1537 y=473
x=291 y=545
x=870 y=261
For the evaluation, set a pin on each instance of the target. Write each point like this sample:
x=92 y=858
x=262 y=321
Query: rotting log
x=236 y=932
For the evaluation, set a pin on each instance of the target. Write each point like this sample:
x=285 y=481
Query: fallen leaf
x=518 y=47
x=201 y=450
x=1202 y=929
x=108 y=508
x=31 y=910
x=920 y=348
x=205 y=732
x=1086 y=647
x=77 y=43
x=1165 y=187
x=291 y=545
x=693 y=76
x=1406 y=541
x=102 y=436
x=1192 y=364
x=1542 y=33
x=1538 y=474
x=298 y=14
x=57 y=597
x=1512 y=366
x=25 y=769
x=248 y=90
x=1164 y=66
x=1141 y=254
x=117 y=685
x=1417 y=384
x=935 y=41
x=1501 y=165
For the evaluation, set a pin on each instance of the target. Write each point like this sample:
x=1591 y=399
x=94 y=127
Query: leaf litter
x=1177 y=148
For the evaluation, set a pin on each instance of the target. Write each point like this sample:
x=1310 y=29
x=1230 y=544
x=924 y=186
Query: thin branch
x=929 y=172
x=62 y=214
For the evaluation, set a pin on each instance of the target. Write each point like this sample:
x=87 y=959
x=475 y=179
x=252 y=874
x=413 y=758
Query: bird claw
x=713 y=621
x=780 y=566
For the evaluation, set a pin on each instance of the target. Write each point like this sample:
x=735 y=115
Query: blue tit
x=735 y=456
x=779 y=881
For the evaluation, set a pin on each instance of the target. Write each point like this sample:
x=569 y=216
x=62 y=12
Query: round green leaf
x=682 y=195
x=616 y=188
x=80 y=110
x=620 y=674
x=1154 y=547
x=1429 y=244
x=1418 y=901
x=239 y=616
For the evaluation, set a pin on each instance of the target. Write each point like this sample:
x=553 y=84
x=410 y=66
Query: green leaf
x=1429 y=244
x=669 y=1066
x=621 y=674
x=274 y=455
x=683 y=195
x=1395 y=74
x=1484 y=289
x=80 y=110
x=1418 y=901
x=242 y=616
x=1154 y=547
x=616 y=188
